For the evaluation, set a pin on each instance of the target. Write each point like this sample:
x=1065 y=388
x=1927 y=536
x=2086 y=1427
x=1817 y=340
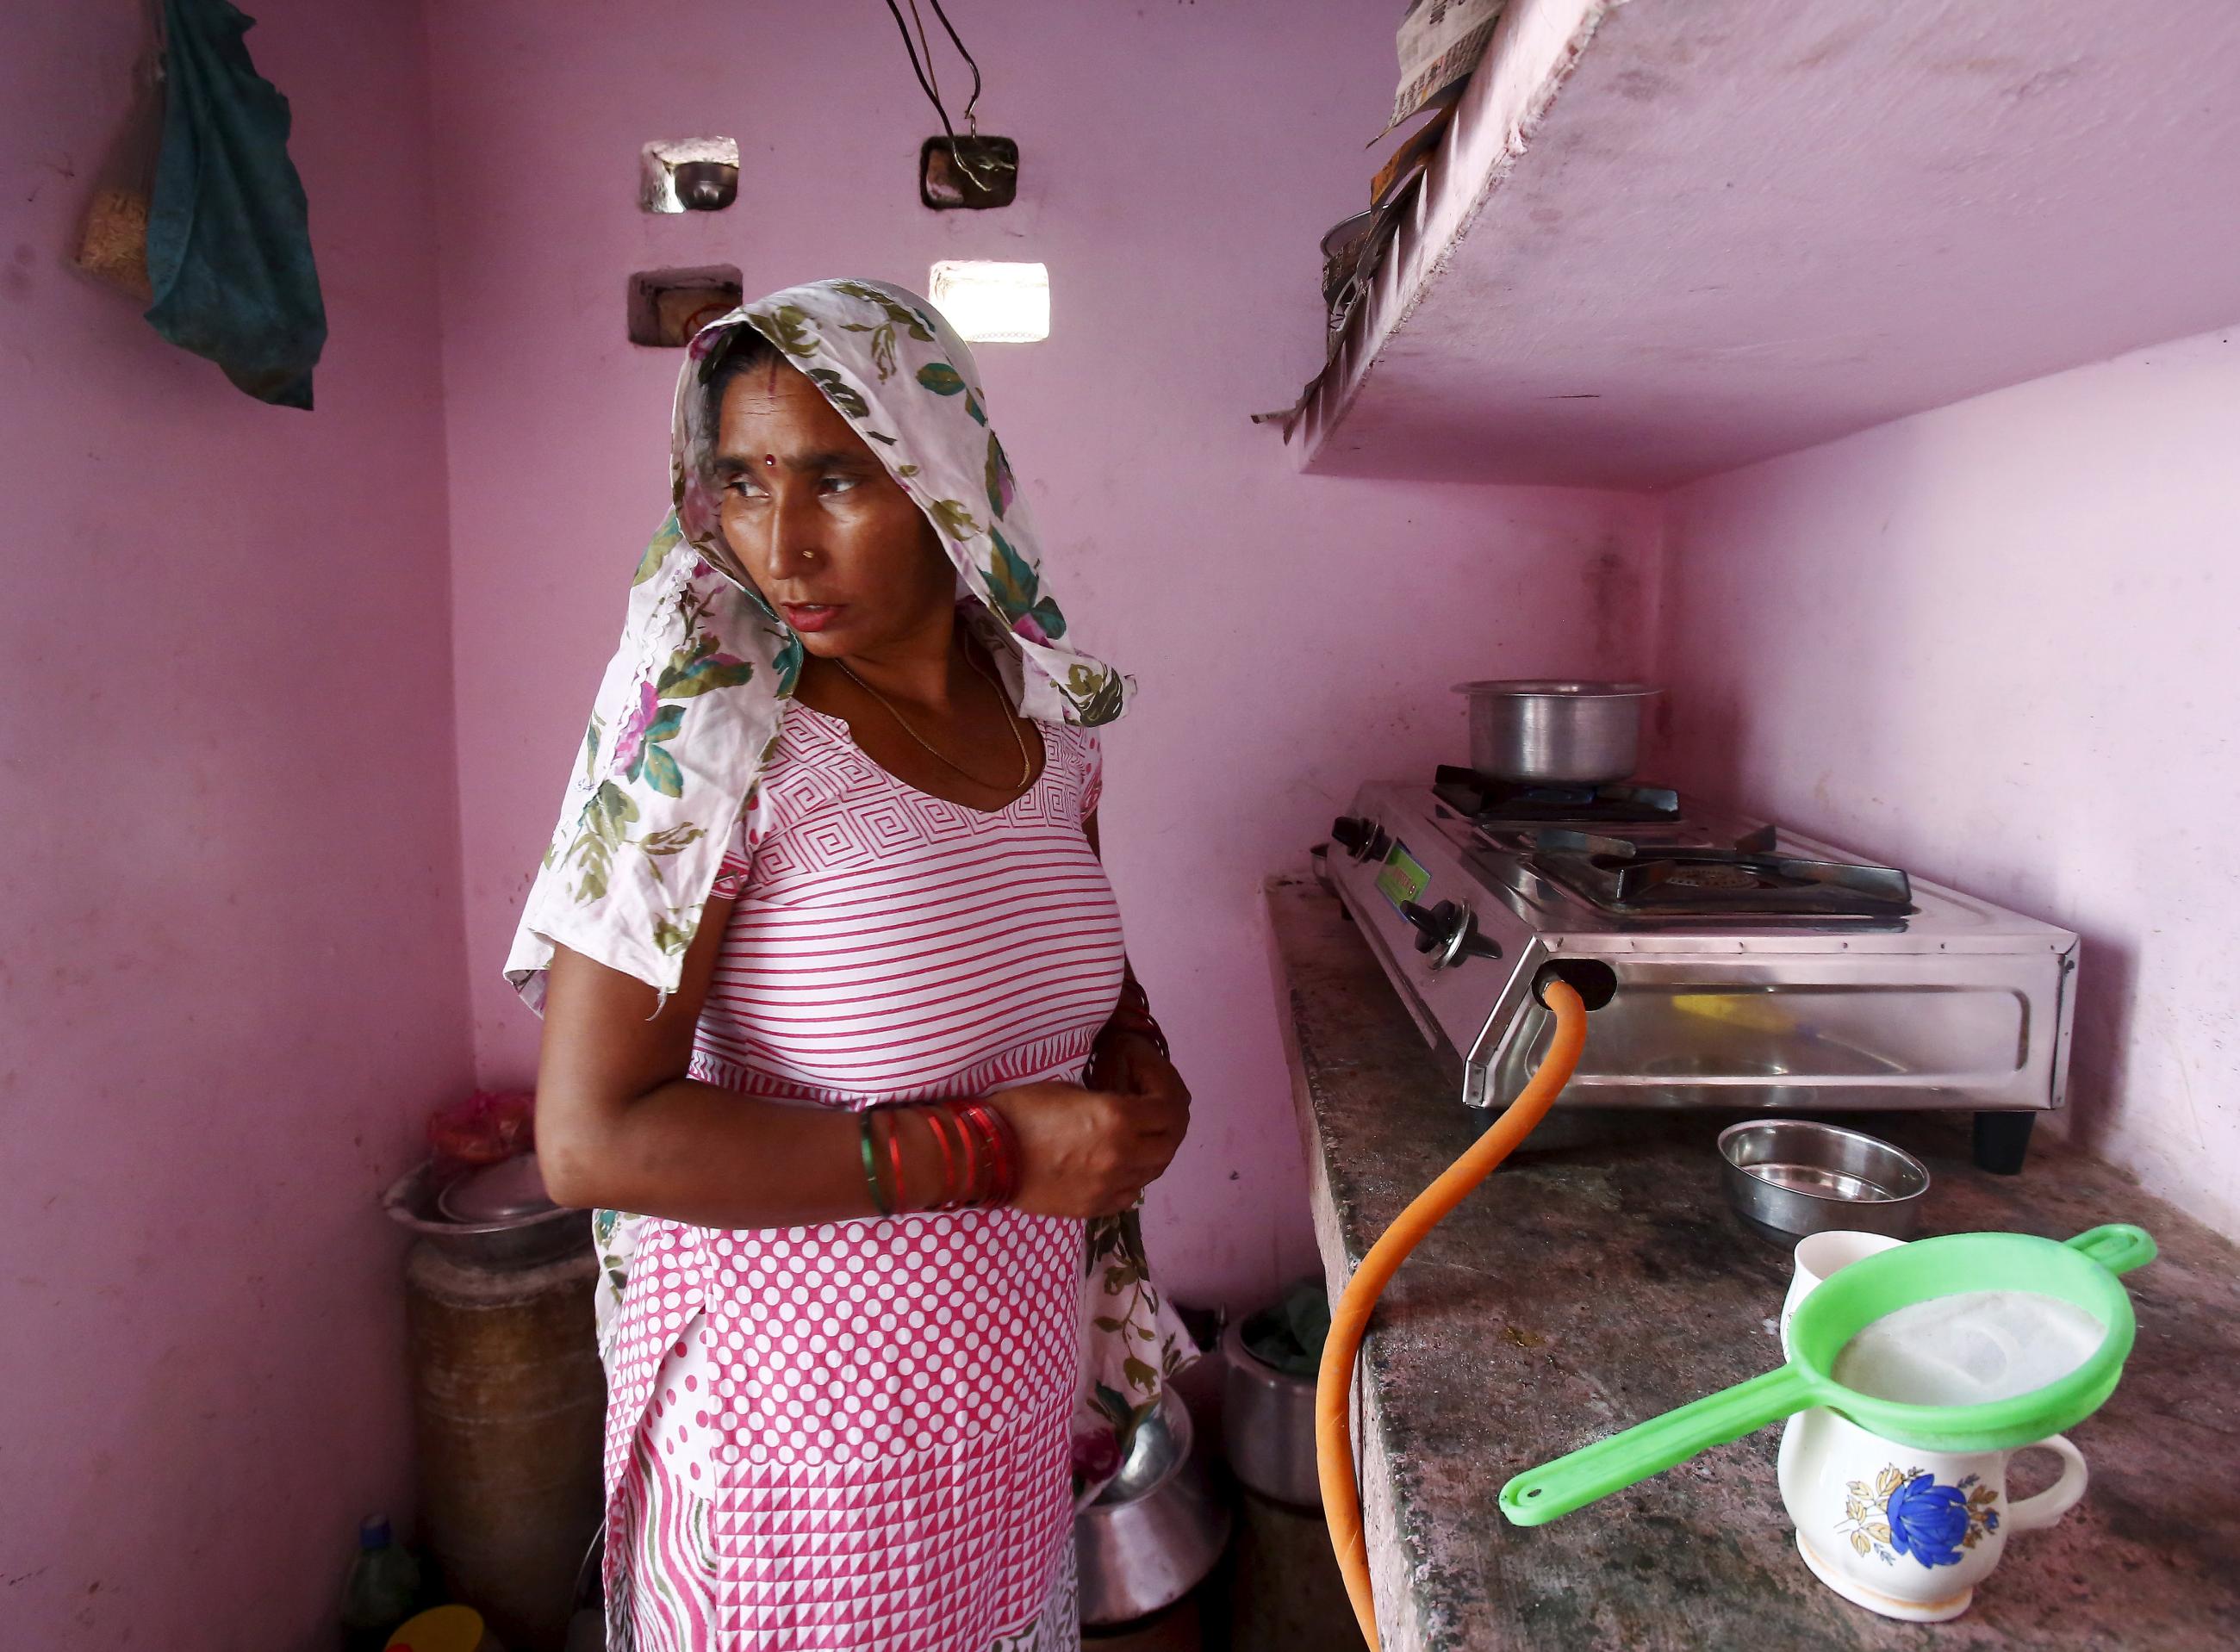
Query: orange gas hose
x=1350 y=1319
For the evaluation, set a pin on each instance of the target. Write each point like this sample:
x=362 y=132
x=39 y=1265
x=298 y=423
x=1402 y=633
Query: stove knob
x=1359 y=838
x=1435 y=926
x=1447 y=933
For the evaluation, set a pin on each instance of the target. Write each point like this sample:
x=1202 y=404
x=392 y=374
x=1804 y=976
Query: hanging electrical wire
x=930 y=83
x=949 y=29
x=925 y=51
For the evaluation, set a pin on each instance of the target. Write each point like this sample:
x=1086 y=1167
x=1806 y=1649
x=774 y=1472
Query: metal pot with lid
x=1550 y=731
x=495 y=1216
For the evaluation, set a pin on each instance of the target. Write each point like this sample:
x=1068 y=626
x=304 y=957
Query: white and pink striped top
x=876 y=1413
x=888 y=945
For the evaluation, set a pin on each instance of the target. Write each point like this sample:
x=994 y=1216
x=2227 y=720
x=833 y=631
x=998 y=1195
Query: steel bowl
x=1540 y=731
x=706 y=186
x=1788 y=1177
x=1154 y=1533
x=1268 y=1424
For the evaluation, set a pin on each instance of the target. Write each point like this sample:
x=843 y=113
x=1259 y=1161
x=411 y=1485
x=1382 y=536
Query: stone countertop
x=1586 y=1288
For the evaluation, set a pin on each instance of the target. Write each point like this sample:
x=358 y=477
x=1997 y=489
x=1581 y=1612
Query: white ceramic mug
x=1904 y=1532
x=1900 y=1531
x=1819 y=1254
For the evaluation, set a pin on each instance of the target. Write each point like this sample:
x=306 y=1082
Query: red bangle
x=967 y=1121
x=968 y=1140
x=999 y=1187
x=936 y=1126
x=1002 y=1144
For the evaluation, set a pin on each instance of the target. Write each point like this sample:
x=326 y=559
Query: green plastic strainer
x=2082 y=1272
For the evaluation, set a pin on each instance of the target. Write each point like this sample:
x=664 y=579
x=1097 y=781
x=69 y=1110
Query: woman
x=825 y=953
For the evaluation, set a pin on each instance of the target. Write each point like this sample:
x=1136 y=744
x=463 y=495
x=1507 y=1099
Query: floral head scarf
x=691 y=702
x=692 y=698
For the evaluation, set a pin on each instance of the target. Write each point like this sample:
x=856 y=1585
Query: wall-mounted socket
x=666 y=307
x=688 y=175
x=974 y=173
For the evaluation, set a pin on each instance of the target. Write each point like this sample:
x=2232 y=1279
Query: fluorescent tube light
x=993 y=303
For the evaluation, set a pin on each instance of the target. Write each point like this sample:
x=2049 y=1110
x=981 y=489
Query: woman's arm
x=619 y=1125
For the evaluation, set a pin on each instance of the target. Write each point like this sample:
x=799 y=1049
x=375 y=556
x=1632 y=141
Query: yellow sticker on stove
x=1402 y=877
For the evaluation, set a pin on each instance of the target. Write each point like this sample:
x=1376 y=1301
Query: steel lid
x=510 y=1190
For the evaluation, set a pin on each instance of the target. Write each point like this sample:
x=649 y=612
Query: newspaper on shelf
x=1440 y=43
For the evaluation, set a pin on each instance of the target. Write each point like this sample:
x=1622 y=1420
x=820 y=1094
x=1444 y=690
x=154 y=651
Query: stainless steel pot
x=1156 y=1531
x=1268 y=1424
x=1541 y=730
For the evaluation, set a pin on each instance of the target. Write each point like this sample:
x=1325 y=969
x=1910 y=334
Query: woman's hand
x=1091 y=1152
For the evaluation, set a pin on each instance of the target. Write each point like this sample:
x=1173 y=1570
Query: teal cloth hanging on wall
x=229 y=232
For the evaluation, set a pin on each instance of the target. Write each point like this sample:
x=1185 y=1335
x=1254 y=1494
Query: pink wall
x=1995 y=642
x=1293 y=634
x=232 y=980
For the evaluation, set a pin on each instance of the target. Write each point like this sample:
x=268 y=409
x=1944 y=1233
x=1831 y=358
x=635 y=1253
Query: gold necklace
x=1026 y=761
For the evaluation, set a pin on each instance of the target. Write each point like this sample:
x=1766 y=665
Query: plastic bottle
x=383 y=1588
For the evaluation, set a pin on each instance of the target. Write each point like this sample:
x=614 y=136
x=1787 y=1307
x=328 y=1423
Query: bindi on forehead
x=816 y=461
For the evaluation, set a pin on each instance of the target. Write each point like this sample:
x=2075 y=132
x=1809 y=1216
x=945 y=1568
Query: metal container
x=1788 y=1177
x=1156 y=1531
x=1268 y=1424
x=529 y=1233
x=1549 y=732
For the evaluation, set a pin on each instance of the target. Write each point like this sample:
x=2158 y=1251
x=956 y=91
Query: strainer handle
x=1540 y=1494
x=2118 y=1247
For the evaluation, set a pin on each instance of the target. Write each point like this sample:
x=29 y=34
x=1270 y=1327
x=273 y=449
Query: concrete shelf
x=1666 y=237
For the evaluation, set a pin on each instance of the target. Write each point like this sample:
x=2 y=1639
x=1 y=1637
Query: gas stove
x=1729 y=964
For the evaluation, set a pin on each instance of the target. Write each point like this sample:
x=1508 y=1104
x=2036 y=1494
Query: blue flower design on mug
x=1907 y=1512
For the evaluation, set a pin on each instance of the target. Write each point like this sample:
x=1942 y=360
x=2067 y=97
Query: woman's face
x=828 y=536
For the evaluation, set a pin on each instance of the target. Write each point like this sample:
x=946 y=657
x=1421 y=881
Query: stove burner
x=1713 y=878
x=1754 y=877
x=1490 y=802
